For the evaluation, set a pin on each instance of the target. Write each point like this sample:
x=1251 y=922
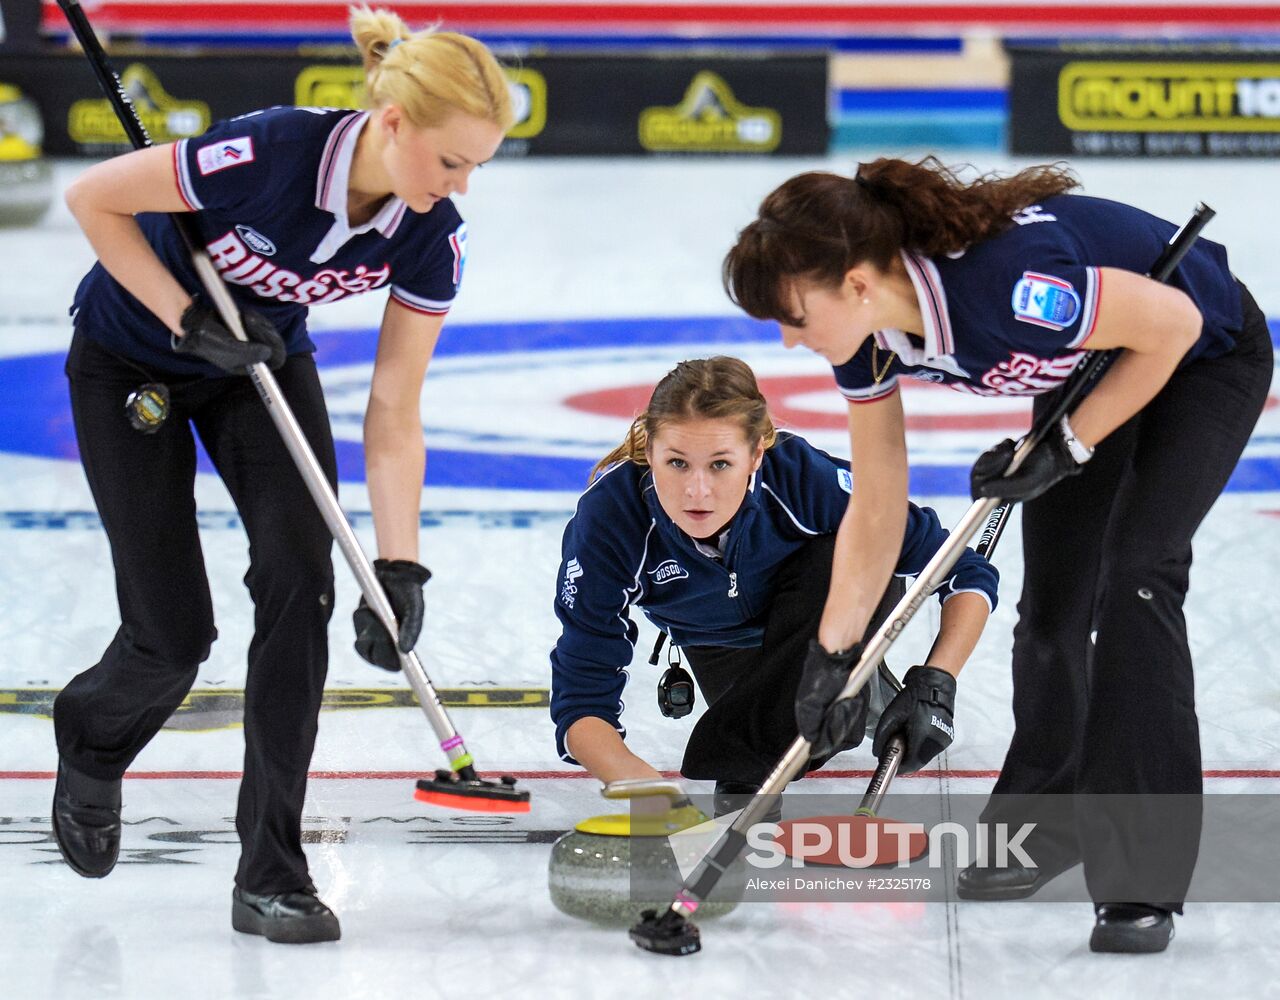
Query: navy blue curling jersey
x=270 y=192
x=1012 y=315
x=621 y=549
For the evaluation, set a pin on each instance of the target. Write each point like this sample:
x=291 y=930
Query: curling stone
x=590 y=876
x=26 y=176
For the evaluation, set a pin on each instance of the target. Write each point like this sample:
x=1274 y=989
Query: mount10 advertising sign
x=1144 y=103
x=589 y=105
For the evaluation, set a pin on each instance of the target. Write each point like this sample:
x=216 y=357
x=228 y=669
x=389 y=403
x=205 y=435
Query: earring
x=866 y=302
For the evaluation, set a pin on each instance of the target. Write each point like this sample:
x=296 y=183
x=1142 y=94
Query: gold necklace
x=878 y=376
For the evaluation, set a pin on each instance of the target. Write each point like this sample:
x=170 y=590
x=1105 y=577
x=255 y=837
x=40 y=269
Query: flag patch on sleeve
x=224 y=154
x=1045 y=300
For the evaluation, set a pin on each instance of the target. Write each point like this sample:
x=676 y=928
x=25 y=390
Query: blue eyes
x=720 y=464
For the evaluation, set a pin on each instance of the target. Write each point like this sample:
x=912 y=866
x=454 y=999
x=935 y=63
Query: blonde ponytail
x=430 y=74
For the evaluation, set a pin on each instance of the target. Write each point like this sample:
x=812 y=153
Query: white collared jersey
x=269 y=190
x=1013 y=314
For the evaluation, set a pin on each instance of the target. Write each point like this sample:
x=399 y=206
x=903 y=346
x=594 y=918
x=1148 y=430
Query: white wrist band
x=1080 y=451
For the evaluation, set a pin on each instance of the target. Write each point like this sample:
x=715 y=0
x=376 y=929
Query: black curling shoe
x=86 y=822
x=284 y=917
x=1131 y=928
x=1013 y=882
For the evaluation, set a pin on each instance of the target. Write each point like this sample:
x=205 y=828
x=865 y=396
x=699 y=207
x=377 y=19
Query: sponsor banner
x=565 y=105
x=174 y=98
x=19 y=27
x=1212 y=848
x=1175 y=102
x=222 y=708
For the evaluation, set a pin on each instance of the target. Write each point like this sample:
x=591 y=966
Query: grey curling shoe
x=284 y=917
x=1131 y=928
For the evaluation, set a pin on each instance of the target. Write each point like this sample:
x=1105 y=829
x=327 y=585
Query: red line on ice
x=549 y=775
x=114 y=15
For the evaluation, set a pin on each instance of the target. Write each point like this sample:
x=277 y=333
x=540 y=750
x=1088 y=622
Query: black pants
x=143 y=487
x=1109 y=552
x=750 y=719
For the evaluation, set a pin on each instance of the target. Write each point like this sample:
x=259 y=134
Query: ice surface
x=438 y=904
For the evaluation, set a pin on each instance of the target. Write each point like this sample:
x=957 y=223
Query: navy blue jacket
x=621 y=549
x=269 y=190
x=1012 y=315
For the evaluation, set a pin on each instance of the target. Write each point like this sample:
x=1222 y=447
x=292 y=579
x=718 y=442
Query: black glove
x=403 y=580
x=922 y=713
x=1049 y=461
x=207 y=337
x=829 y=728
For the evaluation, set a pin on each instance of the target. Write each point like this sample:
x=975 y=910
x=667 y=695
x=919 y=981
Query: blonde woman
x=298 y=207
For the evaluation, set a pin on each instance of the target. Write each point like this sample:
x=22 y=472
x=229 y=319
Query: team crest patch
x=845 y=478
x=1045 y=301
x=224 y=154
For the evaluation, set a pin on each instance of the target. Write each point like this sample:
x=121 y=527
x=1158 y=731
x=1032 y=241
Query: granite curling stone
x=589 y=874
